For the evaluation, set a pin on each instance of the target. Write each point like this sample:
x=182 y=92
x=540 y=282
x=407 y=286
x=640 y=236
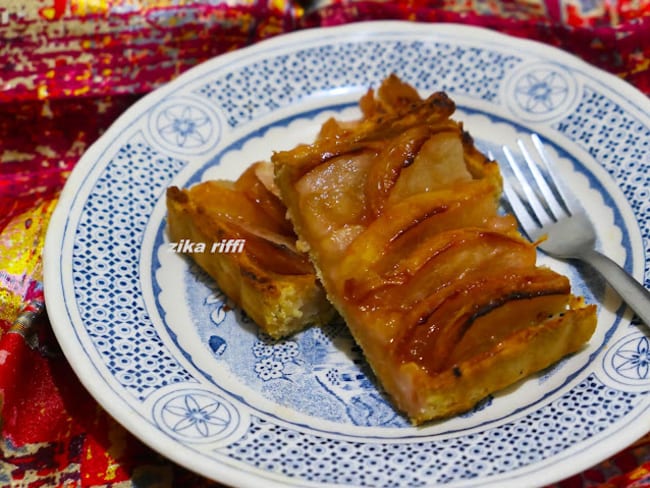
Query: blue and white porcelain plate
x=162 y=349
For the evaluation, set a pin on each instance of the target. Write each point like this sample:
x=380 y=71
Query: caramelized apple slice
x=407 y=253
x=257 y=184
x=439 y=322
x=393 y=159
x=415 y=218
x=396 y=96
x=335 y=189
x=461 y=249
x=271 y=244
x=367 y=134
x=392 y=97
x=439 y=163
x=273 y=251
x=488 y=330
x=220 y=198
x=460 y=387
x=444 y=259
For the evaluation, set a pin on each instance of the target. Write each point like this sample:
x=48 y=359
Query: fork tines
x=536 y=195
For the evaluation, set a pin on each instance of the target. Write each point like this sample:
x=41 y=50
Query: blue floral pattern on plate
x=541 y=91
x=633 y=359
x=166 y=353
x=184 y=125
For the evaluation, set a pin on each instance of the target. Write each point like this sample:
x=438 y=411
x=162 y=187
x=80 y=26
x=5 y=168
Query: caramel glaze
x=401 y=215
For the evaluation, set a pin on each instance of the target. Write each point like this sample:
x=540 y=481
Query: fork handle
x=631 y=291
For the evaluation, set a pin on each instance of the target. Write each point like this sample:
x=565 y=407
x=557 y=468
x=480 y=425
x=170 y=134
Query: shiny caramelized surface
x=401 y=213
x=248 y=209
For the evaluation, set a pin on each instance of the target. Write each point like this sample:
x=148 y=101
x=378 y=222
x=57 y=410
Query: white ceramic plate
x=161 y=349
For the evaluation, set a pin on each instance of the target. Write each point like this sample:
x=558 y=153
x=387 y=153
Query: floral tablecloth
x=68 y=68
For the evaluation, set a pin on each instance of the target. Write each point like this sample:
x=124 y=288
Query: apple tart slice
x=264 y=273
x=399 y=213
x=268 y=277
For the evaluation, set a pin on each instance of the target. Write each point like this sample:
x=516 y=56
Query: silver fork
x=544 y=206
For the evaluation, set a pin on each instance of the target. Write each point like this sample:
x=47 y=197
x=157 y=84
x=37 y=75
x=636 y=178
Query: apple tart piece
x=263 y=273
x=399 y=212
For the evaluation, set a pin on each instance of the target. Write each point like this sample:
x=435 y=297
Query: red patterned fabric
x=68 y=68
x=72 y=48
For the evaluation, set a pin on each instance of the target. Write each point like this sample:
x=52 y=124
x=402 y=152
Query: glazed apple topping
x=438 y=322
x=253 y=213
x=401 y=215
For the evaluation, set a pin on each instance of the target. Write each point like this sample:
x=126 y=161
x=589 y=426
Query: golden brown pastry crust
x=399 y=214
